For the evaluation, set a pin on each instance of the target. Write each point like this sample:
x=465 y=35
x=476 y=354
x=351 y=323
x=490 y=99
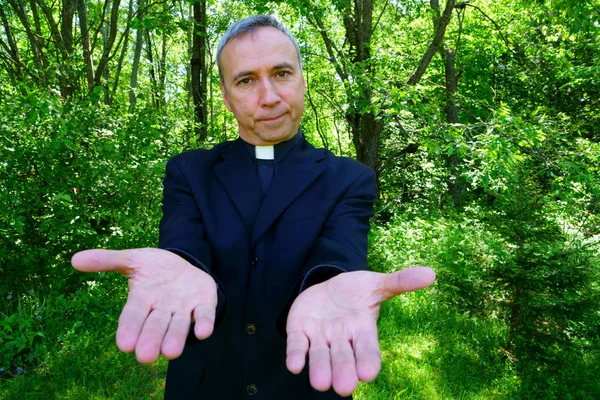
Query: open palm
x=166 y=293
x=335 y=323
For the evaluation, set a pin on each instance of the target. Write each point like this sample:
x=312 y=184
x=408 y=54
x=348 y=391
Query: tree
x=353 y=65
x=137 y=54
x=199 y=70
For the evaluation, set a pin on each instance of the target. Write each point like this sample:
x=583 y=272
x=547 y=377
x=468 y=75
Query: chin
x=274 y=138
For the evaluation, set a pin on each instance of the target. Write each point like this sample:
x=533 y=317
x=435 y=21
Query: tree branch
x=55 y=32
x=314 y=108
x=380 y=15
x=498 y=28
x=330 y=46
x=114 y=15
x=435 y=43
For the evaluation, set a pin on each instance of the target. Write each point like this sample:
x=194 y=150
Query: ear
x=224 y=93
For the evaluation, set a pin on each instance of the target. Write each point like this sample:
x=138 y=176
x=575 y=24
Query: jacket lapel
x=292 y=178
x=237 y=174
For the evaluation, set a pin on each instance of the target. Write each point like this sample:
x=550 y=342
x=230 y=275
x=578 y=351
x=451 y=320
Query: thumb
x=407 y=280
x=100 y=260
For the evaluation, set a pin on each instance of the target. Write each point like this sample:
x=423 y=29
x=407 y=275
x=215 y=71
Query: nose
x=269 y=95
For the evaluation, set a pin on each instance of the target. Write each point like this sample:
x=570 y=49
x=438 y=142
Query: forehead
x=266 y=47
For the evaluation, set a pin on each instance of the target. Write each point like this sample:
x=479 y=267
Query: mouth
x=272 y=119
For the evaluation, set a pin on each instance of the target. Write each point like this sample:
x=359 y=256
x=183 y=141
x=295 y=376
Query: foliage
x=42 y=320
x=555 y=334
x=77 y=358
x=69 y=175
x=515 y=310
x=525 y=248
x=74 y=176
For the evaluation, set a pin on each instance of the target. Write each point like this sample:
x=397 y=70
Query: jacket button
x=250 y=329
x=252 y=389
x=254 y=262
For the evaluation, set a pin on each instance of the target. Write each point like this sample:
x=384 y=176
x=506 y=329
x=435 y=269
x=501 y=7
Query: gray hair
x=251 y=24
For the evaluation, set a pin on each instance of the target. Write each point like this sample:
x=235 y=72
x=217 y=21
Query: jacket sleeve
x=343 y=242
x=181 y=229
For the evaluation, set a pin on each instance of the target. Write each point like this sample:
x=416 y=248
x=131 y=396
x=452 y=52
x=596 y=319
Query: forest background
x=480 y=118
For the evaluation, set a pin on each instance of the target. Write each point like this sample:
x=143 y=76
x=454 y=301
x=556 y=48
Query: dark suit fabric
x=312 y=224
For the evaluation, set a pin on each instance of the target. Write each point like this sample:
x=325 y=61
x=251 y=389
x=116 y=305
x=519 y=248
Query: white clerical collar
x=265 y=152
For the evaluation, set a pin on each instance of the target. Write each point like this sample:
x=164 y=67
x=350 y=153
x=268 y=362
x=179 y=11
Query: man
x=265 y=235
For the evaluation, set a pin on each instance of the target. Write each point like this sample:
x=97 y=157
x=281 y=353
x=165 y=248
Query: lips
x=272 y=119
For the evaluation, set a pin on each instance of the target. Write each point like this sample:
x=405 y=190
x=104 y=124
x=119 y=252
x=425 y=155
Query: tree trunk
x=198 y=69
x=451 y=86
x=66 y=26
x=312 y=104
x=123 y=48
x=162 y=71
x=108 y=42
x=355 y=71
x=104 y=71
x=440 y=30
x=188 y=67
x=54 y=31
x=139 y=42
x=85 y=40
x=12 y=48
x=67 y=80
x=211 y=64
x=456 y=184
x=21 y=12
x=38 y=55
x=367 y=129
x=150 y=58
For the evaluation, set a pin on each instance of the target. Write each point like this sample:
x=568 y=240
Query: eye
x=244 y=81
x=283 y=74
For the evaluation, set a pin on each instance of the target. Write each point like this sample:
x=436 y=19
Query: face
x=263 y=86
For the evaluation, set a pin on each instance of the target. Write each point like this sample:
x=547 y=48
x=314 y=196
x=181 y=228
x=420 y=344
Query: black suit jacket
x=312 y=224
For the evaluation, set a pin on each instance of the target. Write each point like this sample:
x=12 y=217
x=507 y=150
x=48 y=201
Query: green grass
x=89 y=368
x=430 y=351
x=78 y=355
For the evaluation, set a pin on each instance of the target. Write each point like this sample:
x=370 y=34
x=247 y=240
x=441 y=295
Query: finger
x=131 y=321
x=99 y=260
x=344 y=367
x=319 y=365
x=368 y=355
x=407 y=280
x=153 y=332
x=172 y=345
x=297 y=347
x=204 y=317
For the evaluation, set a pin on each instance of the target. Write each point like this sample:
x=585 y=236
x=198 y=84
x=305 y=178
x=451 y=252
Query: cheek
x=244 y=107
x=300 y=104
x=296 y=100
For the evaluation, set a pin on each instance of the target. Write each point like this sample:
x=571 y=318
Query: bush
x=73 y=175
x=510 y=262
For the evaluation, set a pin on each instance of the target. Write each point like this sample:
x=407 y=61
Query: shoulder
x=344 y=166
x=199 y=158
x=347 y=163
x=342 y=174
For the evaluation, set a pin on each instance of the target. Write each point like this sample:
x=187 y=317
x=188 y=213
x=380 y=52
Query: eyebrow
x=284 y=65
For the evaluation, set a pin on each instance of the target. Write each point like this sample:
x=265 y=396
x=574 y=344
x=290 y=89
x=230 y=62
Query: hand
x=165 y=293
x=335 y=322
